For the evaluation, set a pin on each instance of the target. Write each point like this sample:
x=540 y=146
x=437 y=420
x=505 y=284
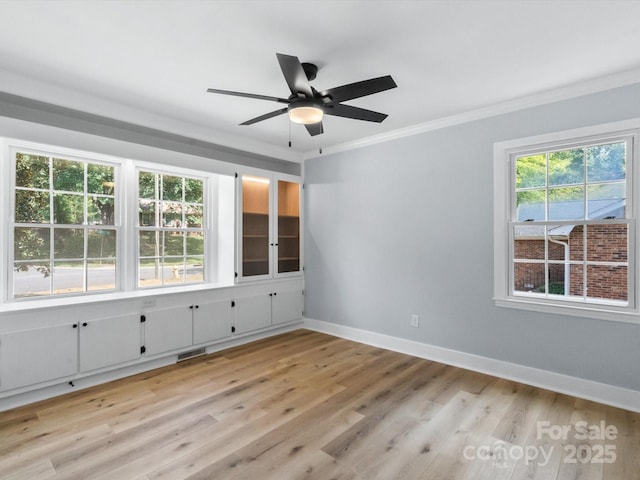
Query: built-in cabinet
x=288 y=227
x=286 y=306
x=43 y=355
x=29 y=357
x=174 y=328
x=38 y=355
x=167 y=329
x=252 y=313
x=274 y=308
x=212 y=321
x=270 y=226
x=109 y=341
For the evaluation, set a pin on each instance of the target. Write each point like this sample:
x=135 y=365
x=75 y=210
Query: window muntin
x=171 y=229
x=570 y=230
x=64 y=228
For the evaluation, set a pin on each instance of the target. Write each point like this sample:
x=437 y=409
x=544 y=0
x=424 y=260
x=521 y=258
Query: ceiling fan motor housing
x=310 y=70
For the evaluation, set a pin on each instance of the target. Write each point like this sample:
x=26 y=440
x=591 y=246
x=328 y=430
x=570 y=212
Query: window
x=171 y=233
x=80 y=223
x=64 y=226
x=565 y=228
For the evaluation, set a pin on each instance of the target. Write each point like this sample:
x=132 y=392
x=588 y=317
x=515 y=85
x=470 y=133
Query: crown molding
x=599 y=84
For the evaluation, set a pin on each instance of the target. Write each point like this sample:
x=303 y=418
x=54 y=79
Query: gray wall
x=406 y=227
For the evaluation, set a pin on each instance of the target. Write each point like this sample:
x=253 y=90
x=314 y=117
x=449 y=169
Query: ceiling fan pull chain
x=289 y=134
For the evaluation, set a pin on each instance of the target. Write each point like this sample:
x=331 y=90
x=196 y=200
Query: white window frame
x=127 y=218
x=206 y=229
x=503 y=185
x=11 y=149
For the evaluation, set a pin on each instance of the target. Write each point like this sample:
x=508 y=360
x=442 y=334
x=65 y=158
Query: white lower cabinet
x=174 y=328
x=212 y=321
x=109 y=341
x=47 y=355
x=252 y=313
x=168 y=329
x=286 y=306
x=28 y=357
x=274 y=308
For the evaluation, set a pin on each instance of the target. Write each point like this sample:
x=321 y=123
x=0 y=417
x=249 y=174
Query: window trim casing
x=503 y=179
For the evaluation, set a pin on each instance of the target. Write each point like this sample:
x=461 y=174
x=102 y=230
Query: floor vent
x=191 y=354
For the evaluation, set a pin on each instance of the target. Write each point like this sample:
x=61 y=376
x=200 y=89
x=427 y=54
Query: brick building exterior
x=605 y=243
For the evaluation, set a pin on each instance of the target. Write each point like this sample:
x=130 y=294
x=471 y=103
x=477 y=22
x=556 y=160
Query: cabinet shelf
x=255 y=214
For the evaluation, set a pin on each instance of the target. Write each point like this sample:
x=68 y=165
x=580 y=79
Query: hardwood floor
x=305 y=405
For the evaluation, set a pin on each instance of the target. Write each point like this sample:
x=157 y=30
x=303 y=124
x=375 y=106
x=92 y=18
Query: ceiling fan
x=307 y=106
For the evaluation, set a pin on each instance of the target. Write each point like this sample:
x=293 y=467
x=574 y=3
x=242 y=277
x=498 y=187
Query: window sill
x=44 y=303
x=599 y=312
x=34 y=303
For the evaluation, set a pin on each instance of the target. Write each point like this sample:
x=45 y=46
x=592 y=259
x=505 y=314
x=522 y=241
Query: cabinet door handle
x=197 y=306
x=84 y=324
x=75 y=325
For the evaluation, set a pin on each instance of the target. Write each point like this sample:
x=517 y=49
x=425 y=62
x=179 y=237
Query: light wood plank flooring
x=304 y=405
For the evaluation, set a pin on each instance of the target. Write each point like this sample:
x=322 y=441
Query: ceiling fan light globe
x=306 y=115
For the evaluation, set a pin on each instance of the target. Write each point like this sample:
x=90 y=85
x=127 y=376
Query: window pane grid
x=575 y=199
x=52 y=227
x=170 y=229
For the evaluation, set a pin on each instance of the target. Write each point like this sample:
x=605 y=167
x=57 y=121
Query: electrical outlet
x=149 y=303
x=415 y=320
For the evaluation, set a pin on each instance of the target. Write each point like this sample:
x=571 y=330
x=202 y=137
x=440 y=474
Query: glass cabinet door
x=288 y=227
x=255 y=226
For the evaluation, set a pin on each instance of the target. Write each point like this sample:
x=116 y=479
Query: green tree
x=65 y=185
x=566 y=168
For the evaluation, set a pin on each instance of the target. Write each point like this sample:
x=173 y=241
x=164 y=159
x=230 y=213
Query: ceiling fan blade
x=357 y=113
x=315 y=129
x=248 y=95
x=294 y=75
x=359 y=89
x=265 y=116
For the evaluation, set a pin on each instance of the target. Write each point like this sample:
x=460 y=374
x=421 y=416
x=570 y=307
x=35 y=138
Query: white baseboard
x=557 y=382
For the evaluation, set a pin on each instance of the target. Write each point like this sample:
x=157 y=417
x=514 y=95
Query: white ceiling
x=150 y=62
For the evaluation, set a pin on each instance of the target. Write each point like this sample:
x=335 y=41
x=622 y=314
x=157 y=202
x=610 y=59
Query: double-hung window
x=65 y=225
x=171 y=229
x=565 y=226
